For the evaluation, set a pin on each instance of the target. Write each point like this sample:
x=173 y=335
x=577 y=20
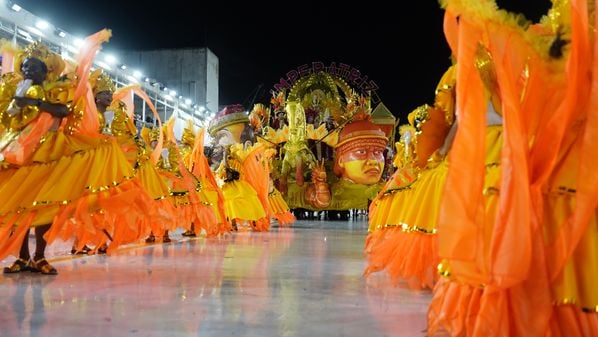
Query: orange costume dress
x=242 y=171
x=78 y=182
x=521 y=260
x=402 y=225
x=160 y=212
x=195 y=160
x=241 y=200
x=186 y=191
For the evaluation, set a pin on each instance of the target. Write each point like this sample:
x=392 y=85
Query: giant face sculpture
x=360 y=153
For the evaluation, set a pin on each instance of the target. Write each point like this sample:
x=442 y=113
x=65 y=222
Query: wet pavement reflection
x=305 y=280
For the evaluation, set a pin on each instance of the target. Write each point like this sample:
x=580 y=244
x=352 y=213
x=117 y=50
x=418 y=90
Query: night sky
x=402 y=50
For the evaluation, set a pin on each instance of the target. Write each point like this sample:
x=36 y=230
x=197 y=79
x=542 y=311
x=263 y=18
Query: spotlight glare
x=78 y=42
x=60 y=32
x=41 y=24
x=110 y=59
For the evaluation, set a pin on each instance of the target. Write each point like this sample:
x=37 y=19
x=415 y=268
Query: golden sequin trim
x=491 y=191
x=573 y=301
x=107 y=187
x=38 y=203
x=408 y=229
x=444 y=269
x=395 y=190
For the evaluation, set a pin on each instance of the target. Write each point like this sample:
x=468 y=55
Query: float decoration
x=319 y=126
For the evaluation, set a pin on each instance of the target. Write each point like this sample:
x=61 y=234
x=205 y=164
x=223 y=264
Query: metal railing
x=22 y=27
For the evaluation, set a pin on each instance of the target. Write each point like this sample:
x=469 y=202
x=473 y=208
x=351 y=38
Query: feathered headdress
x=100 y=81
x=53 y=61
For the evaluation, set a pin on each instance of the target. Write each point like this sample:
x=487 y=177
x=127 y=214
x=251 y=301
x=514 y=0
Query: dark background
x=398 y=45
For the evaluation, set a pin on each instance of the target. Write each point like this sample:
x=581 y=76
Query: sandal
x=189 y=233
x=18 y=266
x=103 y=249
x=42 y=266
x=150 y=239
x=166 y=238
x=85 y=250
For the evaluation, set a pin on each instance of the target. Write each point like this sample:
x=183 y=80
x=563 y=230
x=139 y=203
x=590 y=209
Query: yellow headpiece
x=448 y=79
x=419 y=116
x=445 y=93
x=145 y=131
x=53 y=61
x=154 y=134
x=101 y=82
x=188 y=136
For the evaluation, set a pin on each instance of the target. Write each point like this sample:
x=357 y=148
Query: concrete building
x=191 y=72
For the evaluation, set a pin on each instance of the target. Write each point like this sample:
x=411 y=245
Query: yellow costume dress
x=402 y=226
x=195 y=160
x=279 y=208
x=191 y=201
x=241 y=200
x=573 y=290
x=161 y=212
x=78 y=183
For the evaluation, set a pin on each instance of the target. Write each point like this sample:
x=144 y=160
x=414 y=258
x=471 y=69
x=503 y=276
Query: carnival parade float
x=332 y=150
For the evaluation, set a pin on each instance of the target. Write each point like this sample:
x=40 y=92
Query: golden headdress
x=357 y=105
x=53 y=61
x=100 y=81
x=419 y=116
x=188 y=136
x=259 y=116
x=444 y=96
x=144 y=133
x=154 y=134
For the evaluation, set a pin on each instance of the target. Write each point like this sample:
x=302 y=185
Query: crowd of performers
x=493 y=204
x=73 y=165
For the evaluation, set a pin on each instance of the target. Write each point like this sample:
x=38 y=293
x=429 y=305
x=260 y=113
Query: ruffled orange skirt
x=192 y=204
x=279 y=208
x=404 y=245
x=83 y=186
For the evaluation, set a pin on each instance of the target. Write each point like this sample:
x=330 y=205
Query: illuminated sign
x=349 y=74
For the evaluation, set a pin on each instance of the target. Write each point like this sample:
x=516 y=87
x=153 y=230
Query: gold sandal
x=189 y=233
x=103 y=249
x=18 y=266
x=42 y=266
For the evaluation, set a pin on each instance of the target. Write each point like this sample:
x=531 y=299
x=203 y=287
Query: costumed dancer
x=116 y=121
x=279 y=209
x=242 y=201
x=193 y=152
x=402 y=226
x=56 y=173
x=185 y=189
x=523 y=265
